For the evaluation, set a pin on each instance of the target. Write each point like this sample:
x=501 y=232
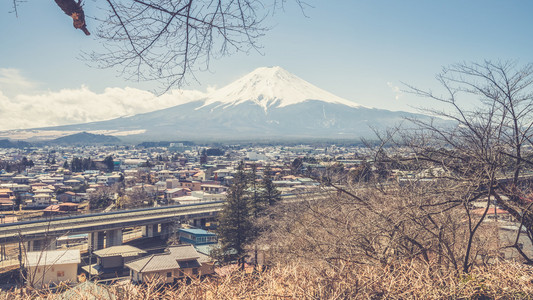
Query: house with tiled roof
x=176 y=192
x=214 y=188
x=199 y=176
x=40 y=201
x=111 y=260
x=7 y=199
x=178 y=261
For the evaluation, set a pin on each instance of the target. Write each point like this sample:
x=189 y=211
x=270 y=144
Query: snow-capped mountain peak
x=271 y=87
x=269 y=103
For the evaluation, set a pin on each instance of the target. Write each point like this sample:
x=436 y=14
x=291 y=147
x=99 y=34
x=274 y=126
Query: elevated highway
x=105 y=222
x=106 y=229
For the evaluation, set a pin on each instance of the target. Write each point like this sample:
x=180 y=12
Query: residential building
x=196 y=236
x=175 y=193
x=7 y=199
x=60 y=209
x=192 y=185
x=213 y=188
x=39 y=201
x=47 y=268
x=179 y=261
x=111 y=260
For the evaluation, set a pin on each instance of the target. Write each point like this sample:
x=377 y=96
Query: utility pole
x=3 y=249
x=90 y=261
x=21 y=265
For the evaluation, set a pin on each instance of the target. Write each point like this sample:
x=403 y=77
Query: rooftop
x=168 y=260
x=55 y=257
x=196 y=231
x=123 y=250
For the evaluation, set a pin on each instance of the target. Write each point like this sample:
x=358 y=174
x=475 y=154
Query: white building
x=47 y=268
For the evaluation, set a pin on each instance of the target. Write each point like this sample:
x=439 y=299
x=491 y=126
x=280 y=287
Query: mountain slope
x=271 y=87
x=267 y=103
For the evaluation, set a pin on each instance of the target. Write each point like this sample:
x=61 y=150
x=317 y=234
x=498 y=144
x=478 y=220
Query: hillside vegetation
x=405 y=281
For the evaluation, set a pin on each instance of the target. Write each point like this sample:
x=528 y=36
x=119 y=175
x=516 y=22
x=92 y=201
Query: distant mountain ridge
x=5 y=143
x=85 y=138
x=268 y=103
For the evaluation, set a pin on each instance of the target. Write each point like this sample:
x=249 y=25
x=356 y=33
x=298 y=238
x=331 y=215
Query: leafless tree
x=366 y=223
x=133 y=199
x=167 y=40
x=429 y=188
x=102 y=198
x=490 y=104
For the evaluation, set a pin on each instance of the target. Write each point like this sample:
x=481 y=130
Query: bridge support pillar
x=114 y=237
x=96 y=240
x=39 y=245
x=150 y=230
x=3 y=255
x=166 y=230
x=200 y=223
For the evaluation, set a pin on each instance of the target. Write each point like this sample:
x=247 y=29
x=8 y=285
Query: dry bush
x=428 y=222
x=407 y=280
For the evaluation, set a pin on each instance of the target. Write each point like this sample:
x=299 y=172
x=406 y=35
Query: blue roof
x=196 y=231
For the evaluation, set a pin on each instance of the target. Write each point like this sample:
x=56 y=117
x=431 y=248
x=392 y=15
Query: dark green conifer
x=235 y=225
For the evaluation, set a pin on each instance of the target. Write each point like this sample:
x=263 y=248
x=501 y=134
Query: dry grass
x=406 y=281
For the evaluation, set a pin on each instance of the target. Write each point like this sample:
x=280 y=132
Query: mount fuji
x=268 y=103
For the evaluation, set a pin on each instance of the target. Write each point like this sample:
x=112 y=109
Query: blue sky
x=358 y=50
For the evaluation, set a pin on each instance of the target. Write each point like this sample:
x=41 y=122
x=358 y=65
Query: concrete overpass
x=39 y=234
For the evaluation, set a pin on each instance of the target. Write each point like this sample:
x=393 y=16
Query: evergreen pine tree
x=86 y=164
x=269 y=192
x=76 y=165
x=235 y=225
x=245 y=202
x=109 y=163
x=257 y=202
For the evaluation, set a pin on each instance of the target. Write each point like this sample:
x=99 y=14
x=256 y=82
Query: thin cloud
x=12 y=80
x=72 y=106
x=396 y=90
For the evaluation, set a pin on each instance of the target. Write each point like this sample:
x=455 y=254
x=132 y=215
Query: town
x=266 y=149
x=137 y=213
x=57 y=182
